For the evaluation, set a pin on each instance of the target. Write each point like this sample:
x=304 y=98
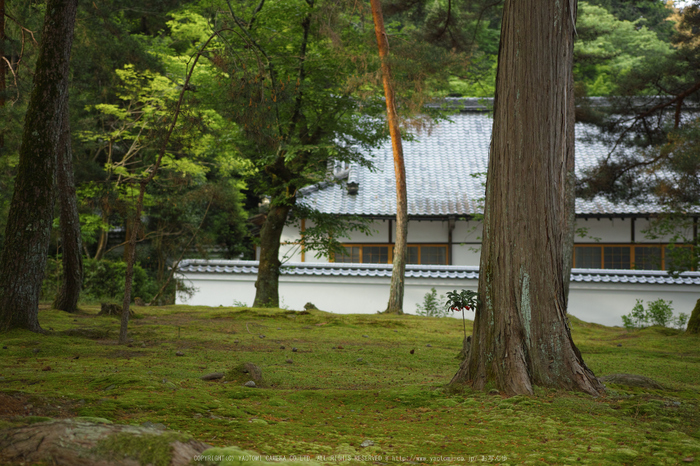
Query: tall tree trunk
x=267 y=284
x=67 y=299
x=395 y=305
x=521 y=334
x=3 y=69
x=31 y=211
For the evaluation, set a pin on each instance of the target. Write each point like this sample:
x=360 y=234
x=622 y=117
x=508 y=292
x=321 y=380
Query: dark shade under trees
x=521 y=334
x=31 y=211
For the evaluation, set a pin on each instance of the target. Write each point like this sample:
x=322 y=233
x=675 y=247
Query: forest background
x=128 y=66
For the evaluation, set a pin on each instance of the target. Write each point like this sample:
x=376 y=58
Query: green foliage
x=660 y=312
x=655 y=140
x=682 y=253
x=637 y=318
x=680 y=321
x=104 y=280
x=607 y=49
x=459 y=301
x=296 y=97
x=657 y=312
x=432 y=306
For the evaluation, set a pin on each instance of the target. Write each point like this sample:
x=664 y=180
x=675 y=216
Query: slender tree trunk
x=521 y=334
x=102 y=243
x=130 y=257
x=395 y=305
x=103 y=240
x=31 y=211
x=267 y=284
x=67 y=298
x=143 y=184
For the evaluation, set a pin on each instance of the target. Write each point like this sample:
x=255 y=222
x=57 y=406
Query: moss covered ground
x=344 y=389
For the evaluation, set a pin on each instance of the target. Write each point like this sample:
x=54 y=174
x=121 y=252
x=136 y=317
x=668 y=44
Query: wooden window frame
x=632 y=247
x=391 y=250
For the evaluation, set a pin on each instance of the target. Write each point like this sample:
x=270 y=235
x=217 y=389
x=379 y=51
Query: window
x=617 y=257
x=375 y=254
x=433 y=254
x=625 y=257
x=676 y=255
x=588 y=257
x=413 y=255
x=352 y=255
x=647 y=257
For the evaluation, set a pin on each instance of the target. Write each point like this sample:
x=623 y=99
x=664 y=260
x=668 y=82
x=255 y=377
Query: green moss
x=234 y=456
x=97 y=420
x=146 y=448
x=36 y=419
x=326 y=403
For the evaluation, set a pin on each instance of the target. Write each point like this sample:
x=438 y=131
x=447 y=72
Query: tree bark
x=3 y=69
x=267 y=283
x=521 y=334
x=396 y=289
x=71 y=242
x=31 y=210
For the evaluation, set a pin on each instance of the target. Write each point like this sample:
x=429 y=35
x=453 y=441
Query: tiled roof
x=429 y=271
x=445 y=167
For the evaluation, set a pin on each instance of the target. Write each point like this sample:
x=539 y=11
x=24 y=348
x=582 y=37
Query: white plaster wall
x=605 y=303
x=341 y=295
x=617 y=230
x=465 y=235
x=466 y=254
x=218 y=289
x=467 y=232
x=602 y=303
x=426 y=231
x=379 y=234
x=642 y=224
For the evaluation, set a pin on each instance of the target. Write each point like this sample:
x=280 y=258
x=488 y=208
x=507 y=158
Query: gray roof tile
x=657 y=277
x=443 y=175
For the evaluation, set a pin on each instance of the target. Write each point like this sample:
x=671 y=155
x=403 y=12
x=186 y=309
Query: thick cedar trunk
x=71 y=243
x=267 y=284
x=395 y=305
x=31 y=211
x=3 y=69
x=521 y=334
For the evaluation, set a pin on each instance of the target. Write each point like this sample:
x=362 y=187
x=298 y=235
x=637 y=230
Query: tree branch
x=678 y=100
x=255 y=12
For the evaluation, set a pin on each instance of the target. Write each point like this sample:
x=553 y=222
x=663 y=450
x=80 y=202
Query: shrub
x=638 y=318
x=431 y=306
x=660 y=312
x=657 y=312
x=104 y=280
x=680 y=321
